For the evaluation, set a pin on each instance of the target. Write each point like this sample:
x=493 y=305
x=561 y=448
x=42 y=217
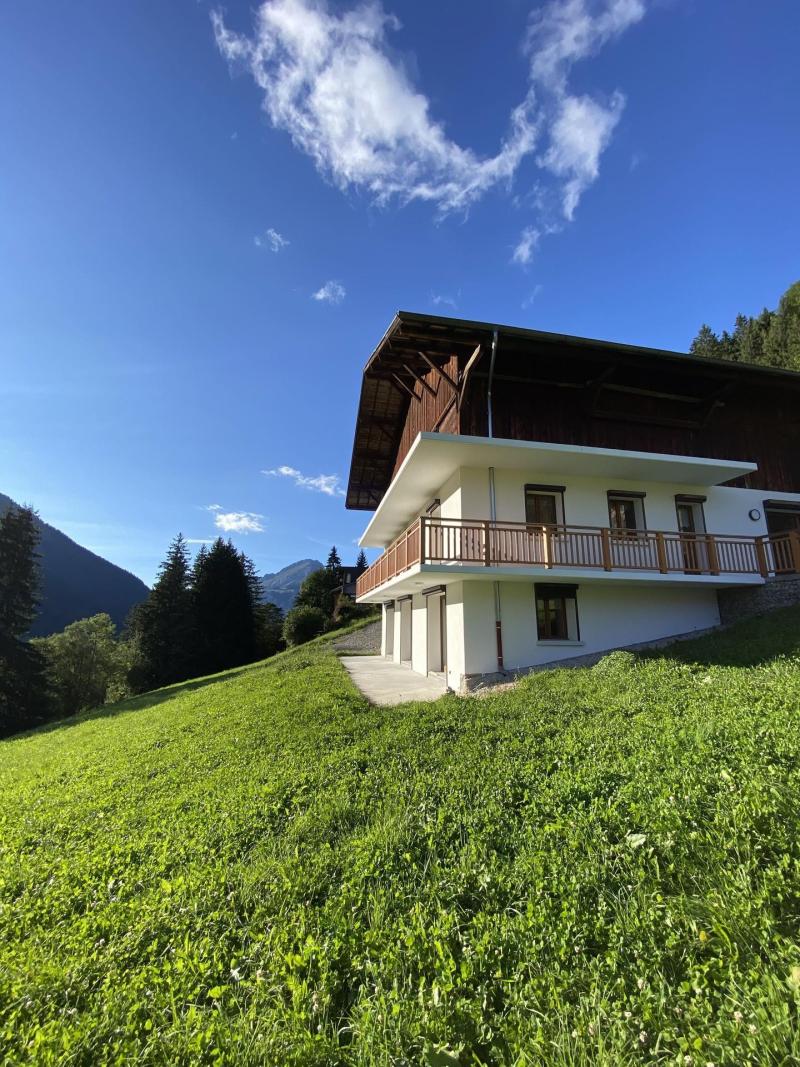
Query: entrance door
x=436 y=620
x=405 y=631
x=690 y=525
x=389 y=631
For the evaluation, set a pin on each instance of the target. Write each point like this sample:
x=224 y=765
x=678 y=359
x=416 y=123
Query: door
x=390 y=631
x=436 y=622
x=405 y=631
x=691 y=528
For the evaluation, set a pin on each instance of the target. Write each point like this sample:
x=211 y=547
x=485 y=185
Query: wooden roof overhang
x=608 y=381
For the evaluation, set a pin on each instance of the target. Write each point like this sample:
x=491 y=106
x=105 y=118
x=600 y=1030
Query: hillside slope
x=77 y=584
x=599 y=866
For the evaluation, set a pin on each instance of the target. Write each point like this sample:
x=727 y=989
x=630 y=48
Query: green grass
x=600 y=866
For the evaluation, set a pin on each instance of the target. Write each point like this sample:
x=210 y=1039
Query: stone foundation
x=743 y=603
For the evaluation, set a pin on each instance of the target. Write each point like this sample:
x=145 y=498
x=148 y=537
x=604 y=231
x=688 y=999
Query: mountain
x=283 y=586
x=76 y=583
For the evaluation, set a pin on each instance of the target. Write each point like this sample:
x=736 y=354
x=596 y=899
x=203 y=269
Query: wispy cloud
x=272 y=240
x=213 y=507
x=331 y=81
x=329 y=484
x=443 y=300
x=239 y=521
x=525 y=247
x=199 y=541
x=331 y=292
x=531 y=297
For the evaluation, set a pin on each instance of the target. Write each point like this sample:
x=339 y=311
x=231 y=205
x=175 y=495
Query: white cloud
x=239 y=522
x=442 y=300
x=213 y=507
x=199 y=541
x=330 y=80
x=528 y=242
x=331 y=292
x=271 y=239
x=329 y=484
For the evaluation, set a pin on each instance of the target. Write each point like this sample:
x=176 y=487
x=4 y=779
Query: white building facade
x=501 y=556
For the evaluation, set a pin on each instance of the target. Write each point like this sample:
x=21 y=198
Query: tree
x=23 y=688
x=224 y=609
x=303 y=623
x=269 y=630
x=706 y=344
x=361 y=561
x=334 y=564
x=164 y=626
x=84 y=663
x=782 y=344
x=771 y=339
x=318 y=591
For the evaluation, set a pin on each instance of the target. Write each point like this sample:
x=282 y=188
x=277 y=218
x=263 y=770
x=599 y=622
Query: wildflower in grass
x=235 y=974
x=752 y=1028
x=640 y=983
x=738 y=1016
x=642 y=1037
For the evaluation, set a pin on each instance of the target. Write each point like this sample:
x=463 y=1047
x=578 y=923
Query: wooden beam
x=441 y=372
x=473 y=359
x=446 y=412
x=406 y=388
x=421 y=381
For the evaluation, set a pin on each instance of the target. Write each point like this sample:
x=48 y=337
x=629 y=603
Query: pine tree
x=334 y=564
x=224 y=609
x=706 y=344
x=164 y=623
x=361 y=561
x=23 y=688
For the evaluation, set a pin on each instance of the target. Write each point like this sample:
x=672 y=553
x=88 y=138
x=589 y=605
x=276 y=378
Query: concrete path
x=384 y=682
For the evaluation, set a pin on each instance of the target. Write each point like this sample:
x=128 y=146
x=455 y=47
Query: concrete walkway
x=384 y=682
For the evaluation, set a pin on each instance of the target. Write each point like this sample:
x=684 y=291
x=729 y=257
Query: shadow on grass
x=747 y=644
x=138 y=703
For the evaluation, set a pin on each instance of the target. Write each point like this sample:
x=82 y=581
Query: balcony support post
x=794 y=546
x=713 y=556
x=761 y=556
x=423 y=523
x=487 y=544
x=605 y=541
x=661 y=552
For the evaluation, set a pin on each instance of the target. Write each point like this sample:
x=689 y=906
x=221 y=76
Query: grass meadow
x=599 y=866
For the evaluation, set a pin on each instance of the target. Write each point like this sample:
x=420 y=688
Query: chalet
x=540 y=497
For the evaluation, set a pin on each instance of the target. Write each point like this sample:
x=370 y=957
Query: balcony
x=451 y=542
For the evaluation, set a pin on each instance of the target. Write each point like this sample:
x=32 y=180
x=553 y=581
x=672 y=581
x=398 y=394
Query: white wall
x=456 y=668
x=586 y=501
x=609 y=615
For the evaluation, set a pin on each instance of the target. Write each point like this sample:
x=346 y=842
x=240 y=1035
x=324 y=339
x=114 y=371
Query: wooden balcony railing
x=500 y=544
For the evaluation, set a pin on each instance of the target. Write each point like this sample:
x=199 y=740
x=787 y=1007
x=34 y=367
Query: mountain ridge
x=282 y=587
x=77 y=583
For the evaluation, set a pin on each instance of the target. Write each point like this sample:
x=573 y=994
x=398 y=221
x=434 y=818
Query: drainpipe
x=498 y=622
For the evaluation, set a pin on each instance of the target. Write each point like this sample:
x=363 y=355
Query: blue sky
x=209 y=217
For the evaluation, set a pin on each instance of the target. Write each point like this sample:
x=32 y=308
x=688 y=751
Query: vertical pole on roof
x=498 y=622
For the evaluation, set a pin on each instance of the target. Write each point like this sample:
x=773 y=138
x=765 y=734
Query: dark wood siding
x=756 y=424
x=426 y=415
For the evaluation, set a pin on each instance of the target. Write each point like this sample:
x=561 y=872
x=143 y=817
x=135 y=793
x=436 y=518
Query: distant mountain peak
x=282 y=587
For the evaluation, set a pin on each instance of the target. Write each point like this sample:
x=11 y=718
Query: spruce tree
x=705 y=344
x=23 y=688
x=164 y=624
x=225 y=614
x=361 y=561
x=334 y=564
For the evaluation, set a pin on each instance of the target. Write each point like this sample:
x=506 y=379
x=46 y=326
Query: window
x=626 y=511
x=544 y=505
x=557 y=612
x=781 y=517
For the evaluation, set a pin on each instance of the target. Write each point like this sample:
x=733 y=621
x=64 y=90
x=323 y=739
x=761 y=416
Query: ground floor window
x=557 y=612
